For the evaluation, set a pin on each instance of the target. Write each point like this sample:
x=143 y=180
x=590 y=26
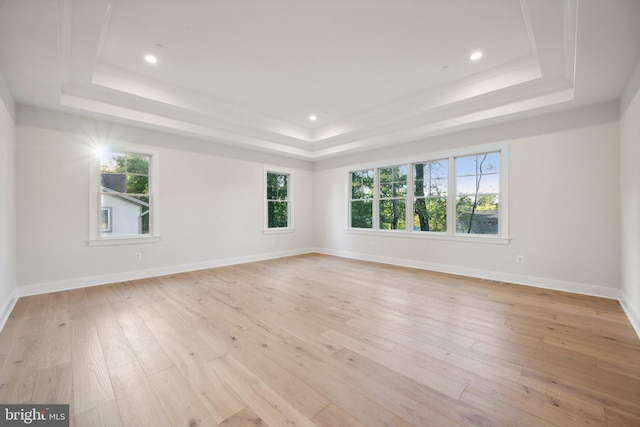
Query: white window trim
x=502 y=238
x=290 y=197
x=95 y=208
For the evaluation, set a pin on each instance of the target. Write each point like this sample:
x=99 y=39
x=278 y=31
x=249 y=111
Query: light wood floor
x=318 y=340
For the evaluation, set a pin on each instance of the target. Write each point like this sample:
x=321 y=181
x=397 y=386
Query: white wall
x=211 y=207
x=8 y=293
x=564 y=205
x=630 y=199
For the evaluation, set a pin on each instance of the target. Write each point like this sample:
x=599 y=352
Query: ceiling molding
x=91 y=82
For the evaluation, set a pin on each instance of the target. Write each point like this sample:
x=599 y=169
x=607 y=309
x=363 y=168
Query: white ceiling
x=376 y=72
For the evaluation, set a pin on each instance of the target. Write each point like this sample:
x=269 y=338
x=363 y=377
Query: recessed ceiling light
x=313 y=117
x=151 y=59
x=476 y=55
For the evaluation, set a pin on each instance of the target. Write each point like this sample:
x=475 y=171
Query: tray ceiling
x=374 y=73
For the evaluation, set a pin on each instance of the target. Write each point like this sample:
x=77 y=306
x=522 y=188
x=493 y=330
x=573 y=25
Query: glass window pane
x=362 y=184
x=430 y=214
x=478 y=215
x=479 y=184
x=478 y=164
x=430 y=178
x=400 y=190
x=128 y=215
x=137 y=163
x=277 y=186
x=393 y=181
x=114 y=182
x=137 y=184
x=386 y=189
x=112 y=162
x=362 y=214
x=278 y=214
x=392 y=214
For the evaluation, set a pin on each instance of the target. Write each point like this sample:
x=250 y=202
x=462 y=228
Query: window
x=105 y=220
x=430 y=195
x=124 y=182
x=278 y=200
x=453 y=195
x=478 y=194
x=124 y=197
x=393 y=197
x=361 y=201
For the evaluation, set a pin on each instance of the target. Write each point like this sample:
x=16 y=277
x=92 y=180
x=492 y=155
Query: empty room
x=331 y=213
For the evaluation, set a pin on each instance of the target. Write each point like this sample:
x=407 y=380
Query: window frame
x=290 y=228
x=378 y=197
x=95 y=205
x=372 y=199
x=450 y=234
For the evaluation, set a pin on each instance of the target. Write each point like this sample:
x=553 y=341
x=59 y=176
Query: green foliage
x=362 y=214
x=475 y=206
x=277 y=200
x=361 y=199
x=135 y=168
x=430 y=205
x=393 y=189
x=278 y=214
x=393 y=214
x=277 y=186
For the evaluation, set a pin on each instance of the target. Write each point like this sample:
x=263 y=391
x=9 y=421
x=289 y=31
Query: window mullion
x=376 y=199
x=409 y=200
x=452 y=192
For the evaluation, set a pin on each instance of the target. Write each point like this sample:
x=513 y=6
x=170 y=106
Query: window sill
x=278 y=230
x=474 y=238
x=113 y=241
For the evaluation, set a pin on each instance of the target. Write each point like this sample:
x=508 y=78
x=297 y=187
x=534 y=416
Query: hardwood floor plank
x=334 y=416
x=316 y=339
x=147 y=349
x=304 y=398
x=245 y=418
x=136 y=401
x=19 y=370
x=179 y=401
x=432 y=376
x=267 y=404
x=103 y=415
x=53 y=385
x=91 y=382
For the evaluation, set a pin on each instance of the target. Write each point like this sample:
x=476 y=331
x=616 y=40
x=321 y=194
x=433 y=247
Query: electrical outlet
x=520 y=259
x=138 y=255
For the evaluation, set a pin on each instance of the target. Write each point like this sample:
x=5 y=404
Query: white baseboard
x=538 y=282
x=83 y=282
x=632 y=314
x=7 y=307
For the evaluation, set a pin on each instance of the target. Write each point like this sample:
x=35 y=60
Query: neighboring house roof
x=484 y=222
x=115 y=181
x=112 y=193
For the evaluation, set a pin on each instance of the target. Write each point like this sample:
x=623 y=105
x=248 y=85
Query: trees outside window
x=125 y=194
x=430 y=195
x=361 y=202
x=478 y=194
x=278 y=203
x=393 y=197
x=452 y=195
